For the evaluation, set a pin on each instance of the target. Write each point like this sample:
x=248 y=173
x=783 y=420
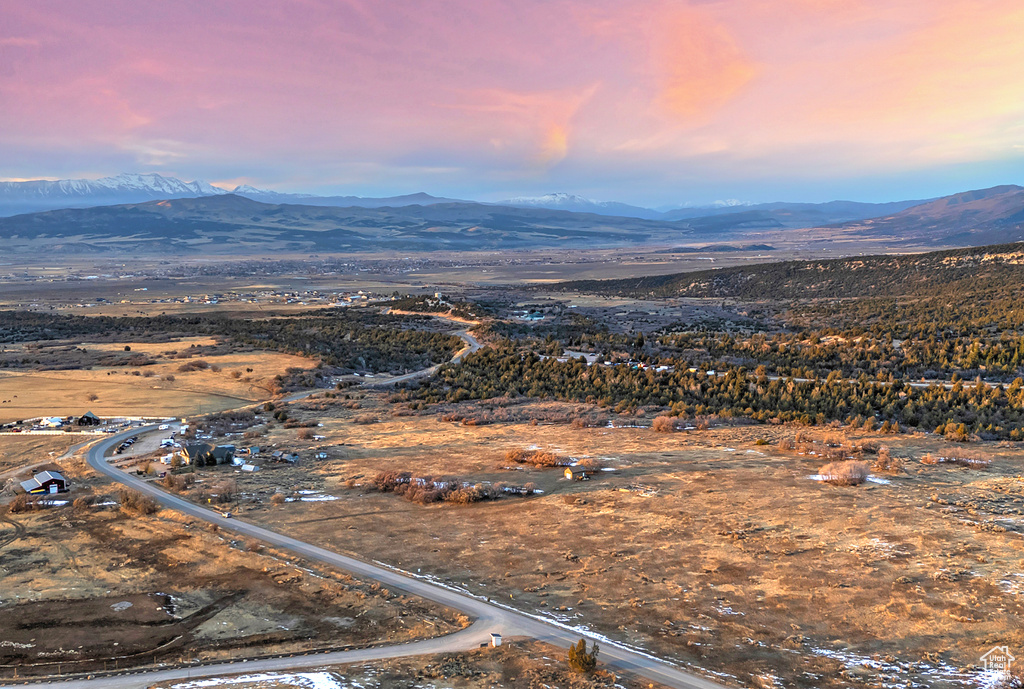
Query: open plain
x=713 y=547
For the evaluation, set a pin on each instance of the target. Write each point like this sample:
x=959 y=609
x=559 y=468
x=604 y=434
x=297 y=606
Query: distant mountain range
x=983 y=216
x=171 y=215
x=577 y=204
x=230 y=224
x=38 y=195
x=267 y=196
x=42 y=195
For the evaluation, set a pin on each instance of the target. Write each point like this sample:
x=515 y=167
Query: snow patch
x=305 y=680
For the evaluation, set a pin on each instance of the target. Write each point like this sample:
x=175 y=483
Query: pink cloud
x=513 y=89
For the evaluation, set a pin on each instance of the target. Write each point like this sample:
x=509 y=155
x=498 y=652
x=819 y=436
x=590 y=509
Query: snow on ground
x=895 y=675
x=311 y=496
x=299 y=680
x=870 y=479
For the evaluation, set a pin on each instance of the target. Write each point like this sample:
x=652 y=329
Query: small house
x=52 y=422
x=576 y=473
x=89 y=419
x=196 y=453
x=45 y=482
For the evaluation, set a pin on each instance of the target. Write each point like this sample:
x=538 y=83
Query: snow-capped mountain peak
x=39 y=195
x=157 y=183
x=247 y=189
x=563 y=201
x=559 y=198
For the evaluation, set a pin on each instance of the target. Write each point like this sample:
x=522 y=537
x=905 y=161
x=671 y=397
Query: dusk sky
x=649 y=102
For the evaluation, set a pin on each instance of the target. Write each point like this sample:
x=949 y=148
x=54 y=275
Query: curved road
x=472 y=345
x=487 y=617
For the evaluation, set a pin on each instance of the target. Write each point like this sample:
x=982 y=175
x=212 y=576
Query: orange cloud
x=554 y=147
x=702 y=67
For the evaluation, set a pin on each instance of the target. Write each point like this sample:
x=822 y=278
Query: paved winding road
x=487 y=617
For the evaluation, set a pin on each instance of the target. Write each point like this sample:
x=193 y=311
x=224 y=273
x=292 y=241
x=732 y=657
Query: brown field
x=158 y=389
x=704 y=546
x=193 y=593
x=20 y=450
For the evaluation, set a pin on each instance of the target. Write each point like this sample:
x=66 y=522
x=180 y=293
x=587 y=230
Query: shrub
x=135 y=503
x=963 y=458
x=581 y=660
x=885 y=463
x=278 y=499
x=869 y=447
x=957 y=433
x=465 y=496
x=663 y=424
x=305 y=434
x=849 y=473
x=82 y=503
x=388 y=480
x=540 y=458
x=178 y=482
x=364 y=419
x=19 y=504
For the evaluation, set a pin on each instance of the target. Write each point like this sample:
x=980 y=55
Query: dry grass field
x=705 y=546
x=159 y=388
x=19 y=450
x=88 y=587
